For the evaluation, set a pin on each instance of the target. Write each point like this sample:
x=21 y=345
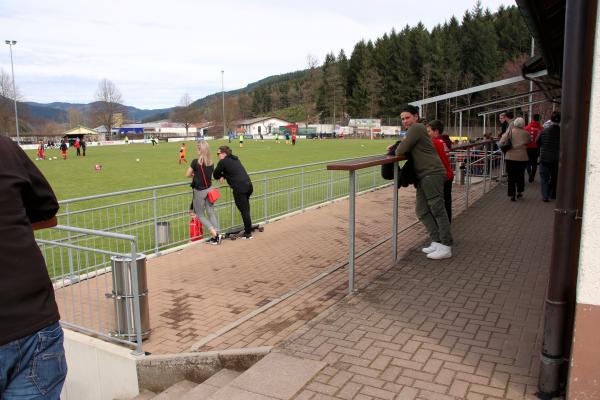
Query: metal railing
x=484 y=164
x=158 y=216
x=85 y=285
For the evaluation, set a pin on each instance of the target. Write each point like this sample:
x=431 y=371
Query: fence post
x=137 y=318
x=468 y=177
x=330 y=186
x=302 y=189
x=155 y=222
x=351 y=248
x=265 y=198
x=69 y=250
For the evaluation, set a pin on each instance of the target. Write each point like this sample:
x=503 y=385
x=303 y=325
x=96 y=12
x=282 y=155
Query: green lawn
x=77 y=177
x=140 y=213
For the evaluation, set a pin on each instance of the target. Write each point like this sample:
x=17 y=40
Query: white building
x=260 y=126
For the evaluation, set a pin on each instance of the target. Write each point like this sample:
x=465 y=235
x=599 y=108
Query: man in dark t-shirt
x=32 y=357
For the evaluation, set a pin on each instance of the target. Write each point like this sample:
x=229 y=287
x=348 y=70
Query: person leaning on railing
x=201 y=170
x=231 y=169
x=32 y=356
x=431 y=175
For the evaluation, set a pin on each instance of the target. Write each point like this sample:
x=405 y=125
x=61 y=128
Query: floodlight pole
x=223 y=96
x=10 y=44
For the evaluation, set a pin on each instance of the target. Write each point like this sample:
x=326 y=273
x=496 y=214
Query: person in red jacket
x=435 y=129
x=533 y=151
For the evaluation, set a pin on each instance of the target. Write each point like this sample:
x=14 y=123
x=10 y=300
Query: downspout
x=580 y=26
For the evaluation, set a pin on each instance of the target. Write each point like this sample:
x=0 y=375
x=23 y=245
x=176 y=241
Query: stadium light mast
x=223 y=96
x=10 y=44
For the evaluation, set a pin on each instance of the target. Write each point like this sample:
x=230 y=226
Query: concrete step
x=276 y=377
x=211 y=385
x=176 y=391
x=145 y=395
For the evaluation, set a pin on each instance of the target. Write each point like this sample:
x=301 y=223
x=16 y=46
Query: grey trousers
x=201 y=205
x=431 y=209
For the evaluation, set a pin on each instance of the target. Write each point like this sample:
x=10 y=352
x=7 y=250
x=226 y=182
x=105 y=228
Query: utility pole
x=10 y=44
x=223 y=95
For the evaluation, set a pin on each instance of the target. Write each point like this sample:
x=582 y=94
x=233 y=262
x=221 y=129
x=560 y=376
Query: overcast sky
x=156 y=51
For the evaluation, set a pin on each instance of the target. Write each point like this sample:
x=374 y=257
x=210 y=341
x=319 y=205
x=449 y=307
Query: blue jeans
x=33 y=367
x=549 y=178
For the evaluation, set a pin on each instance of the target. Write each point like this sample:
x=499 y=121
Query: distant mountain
x=58 y=111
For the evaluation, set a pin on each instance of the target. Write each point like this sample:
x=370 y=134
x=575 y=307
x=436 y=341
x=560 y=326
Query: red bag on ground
x=195 y=229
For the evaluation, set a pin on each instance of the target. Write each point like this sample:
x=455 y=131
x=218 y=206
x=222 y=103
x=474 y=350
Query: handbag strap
x=200 y=166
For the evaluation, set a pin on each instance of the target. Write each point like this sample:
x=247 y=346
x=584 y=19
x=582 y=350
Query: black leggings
x=516 y=176
x=242 y=201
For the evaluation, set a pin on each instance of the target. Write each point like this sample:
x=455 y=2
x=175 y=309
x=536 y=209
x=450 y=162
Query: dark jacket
x=233 y=171
x=26 y=295
x=549 y=143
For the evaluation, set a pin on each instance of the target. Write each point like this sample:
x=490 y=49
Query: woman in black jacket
x=230 y=168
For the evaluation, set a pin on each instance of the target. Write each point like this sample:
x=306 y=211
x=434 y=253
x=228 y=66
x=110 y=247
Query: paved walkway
x=465 y=328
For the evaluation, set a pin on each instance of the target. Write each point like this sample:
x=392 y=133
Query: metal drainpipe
x=580 y=24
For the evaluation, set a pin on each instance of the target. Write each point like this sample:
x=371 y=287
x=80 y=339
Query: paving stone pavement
x=464 y=328
x=195 y=292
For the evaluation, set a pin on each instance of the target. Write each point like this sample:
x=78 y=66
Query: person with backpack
x=431 y=175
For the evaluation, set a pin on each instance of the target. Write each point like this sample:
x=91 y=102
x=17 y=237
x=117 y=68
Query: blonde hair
x=204 y=153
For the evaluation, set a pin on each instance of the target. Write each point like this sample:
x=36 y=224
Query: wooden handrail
x=385 y=159
x=365 y=163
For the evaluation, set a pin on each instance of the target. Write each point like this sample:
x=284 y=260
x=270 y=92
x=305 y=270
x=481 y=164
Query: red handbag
x=213 y=193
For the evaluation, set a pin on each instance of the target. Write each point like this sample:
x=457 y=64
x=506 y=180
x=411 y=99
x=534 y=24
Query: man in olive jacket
x=32 y=357
x=431 y=175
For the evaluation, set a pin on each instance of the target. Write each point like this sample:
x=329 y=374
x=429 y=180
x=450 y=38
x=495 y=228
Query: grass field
x=77 y=177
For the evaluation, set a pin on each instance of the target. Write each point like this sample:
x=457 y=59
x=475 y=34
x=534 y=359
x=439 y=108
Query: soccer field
x=77 y=176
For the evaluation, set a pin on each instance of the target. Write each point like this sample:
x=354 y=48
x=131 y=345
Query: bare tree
x=7 y=96
x=75 y=117
x=186 y=113
x=108 y=104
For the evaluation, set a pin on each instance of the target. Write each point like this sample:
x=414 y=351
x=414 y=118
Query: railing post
x=302 y=189
x=395 y=216
x=265 y=197
x=155 y=222
x=351 y=230
x=330 y=186
x=69 y=250
x=137 y=318
x=467 y=177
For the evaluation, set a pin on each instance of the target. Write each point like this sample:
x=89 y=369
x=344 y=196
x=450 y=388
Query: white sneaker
x=441 y=252
x=432 y=247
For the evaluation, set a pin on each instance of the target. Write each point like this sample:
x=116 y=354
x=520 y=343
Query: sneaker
x=247 y=236
x=441 y=252
x=432 y=247
x=519 y=195
x=214 y=241
x=219 y=238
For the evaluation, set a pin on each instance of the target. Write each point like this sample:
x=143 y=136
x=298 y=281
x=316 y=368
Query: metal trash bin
x=123 y=297
x=163 y=230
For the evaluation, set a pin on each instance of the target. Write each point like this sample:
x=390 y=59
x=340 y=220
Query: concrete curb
x=157 y=372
